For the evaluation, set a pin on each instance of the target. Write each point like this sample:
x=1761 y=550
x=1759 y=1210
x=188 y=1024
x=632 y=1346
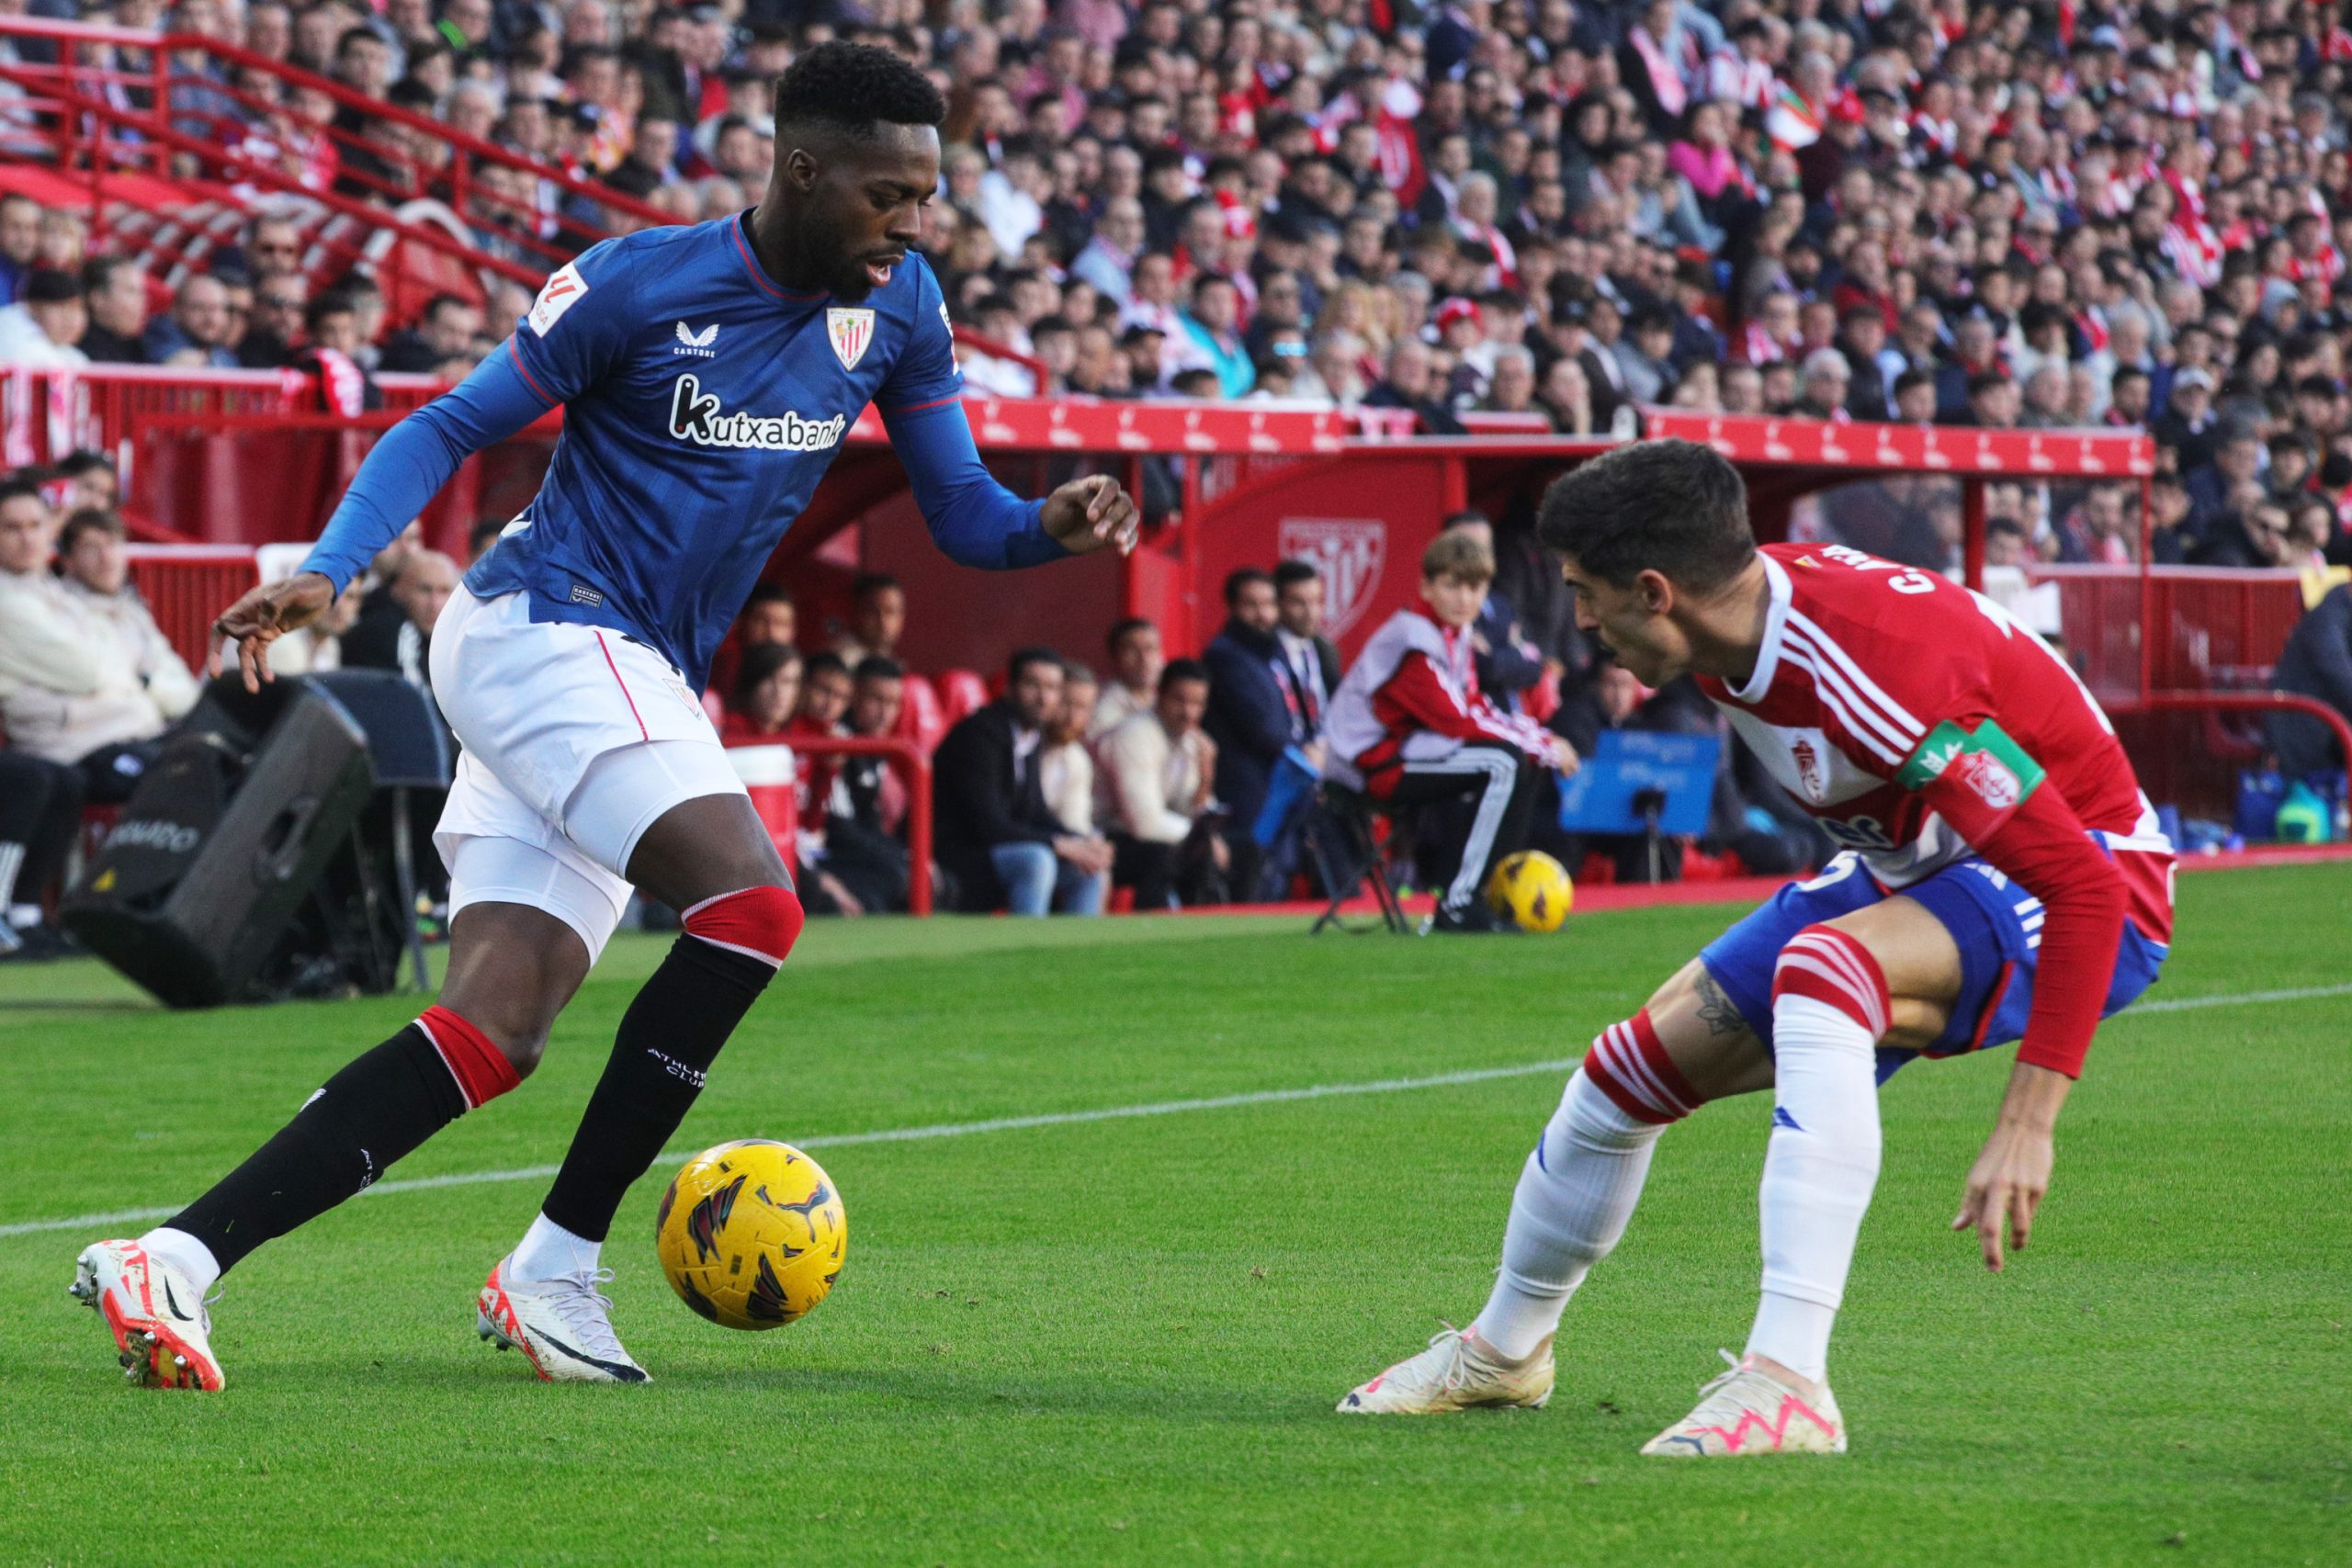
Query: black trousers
x=41 y=810
x=1485 y=793
x=1183 y=874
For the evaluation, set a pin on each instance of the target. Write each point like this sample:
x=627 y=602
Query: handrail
x=917 y=765
x=165 y=135
x=236 y=54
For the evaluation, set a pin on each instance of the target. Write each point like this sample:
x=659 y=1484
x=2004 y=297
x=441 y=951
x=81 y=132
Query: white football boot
x=564 y=1326
x=1747 y=1411
x=156 y=1313
x=1458 y=1372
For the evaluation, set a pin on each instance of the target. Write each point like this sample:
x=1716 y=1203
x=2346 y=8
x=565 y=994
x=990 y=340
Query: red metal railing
x=86 y=107
x=917 y=765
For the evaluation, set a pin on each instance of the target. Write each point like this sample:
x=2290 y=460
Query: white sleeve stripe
x=1830 y=700
x=1898 y=728
x=1869 y=687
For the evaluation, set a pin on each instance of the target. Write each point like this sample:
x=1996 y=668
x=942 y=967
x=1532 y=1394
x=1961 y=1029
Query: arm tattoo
x=1715 y=1009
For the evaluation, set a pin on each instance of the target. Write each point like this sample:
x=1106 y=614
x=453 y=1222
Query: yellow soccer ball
x=1532 y=889
x=751 y=1234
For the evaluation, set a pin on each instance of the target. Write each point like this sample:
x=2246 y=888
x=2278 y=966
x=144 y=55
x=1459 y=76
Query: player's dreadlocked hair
x=853 y=86
x=1675 y=507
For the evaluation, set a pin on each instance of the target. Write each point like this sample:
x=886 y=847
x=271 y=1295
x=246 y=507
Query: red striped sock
x=1835 y=969
x=1630 y=1065
x=482 y=1069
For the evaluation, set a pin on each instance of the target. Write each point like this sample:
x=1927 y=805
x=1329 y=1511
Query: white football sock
x=24 y=917
x=1819 y=1174
x=547 y=1251
x=1574 y=1194
x=177 y=1249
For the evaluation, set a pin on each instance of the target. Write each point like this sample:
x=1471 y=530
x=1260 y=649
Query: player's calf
x=1830 y=1008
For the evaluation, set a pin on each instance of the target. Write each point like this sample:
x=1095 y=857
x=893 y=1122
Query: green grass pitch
x=1118 y=1340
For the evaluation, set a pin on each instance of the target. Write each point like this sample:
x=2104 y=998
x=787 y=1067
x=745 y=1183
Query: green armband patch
x=1994 y=767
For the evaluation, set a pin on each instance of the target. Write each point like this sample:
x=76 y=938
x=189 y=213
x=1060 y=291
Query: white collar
x=1768 y=658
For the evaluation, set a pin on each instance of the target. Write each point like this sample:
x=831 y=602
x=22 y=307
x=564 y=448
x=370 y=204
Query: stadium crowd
x=1993 y=215
x=1987 y=215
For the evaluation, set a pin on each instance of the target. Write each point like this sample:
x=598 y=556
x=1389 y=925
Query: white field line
x=1106 y=1114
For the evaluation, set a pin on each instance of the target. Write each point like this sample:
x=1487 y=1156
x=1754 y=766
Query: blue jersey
x=701 y=404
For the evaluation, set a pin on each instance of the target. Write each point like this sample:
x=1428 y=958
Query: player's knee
x=484 y=1064
x=1826 y=964
x=760 y=922
x=1628 y=1064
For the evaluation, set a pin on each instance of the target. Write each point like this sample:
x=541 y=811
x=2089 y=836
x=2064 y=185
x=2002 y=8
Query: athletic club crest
x=1348 y=551
x=850 y=331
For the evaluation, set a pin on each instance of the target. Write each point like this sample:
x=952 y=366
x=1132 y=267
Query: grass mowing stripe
x=1110 y=1113
x=908 y=1135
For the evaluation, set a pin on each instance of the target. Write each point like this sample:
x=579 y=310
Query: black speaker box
x=236 y=872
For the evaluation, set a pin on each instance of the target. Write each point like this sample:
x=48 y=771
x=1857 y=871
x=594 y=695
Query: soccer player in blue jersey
x=707 y=376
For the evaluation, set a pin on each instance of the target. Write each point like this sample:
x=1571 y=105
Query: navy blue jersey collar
x=741 y=230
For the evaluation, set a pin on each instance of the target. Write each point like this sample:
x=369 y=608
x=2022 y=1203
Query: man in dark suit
x=1310 y=657
x=992 y=829
x=1254 y=712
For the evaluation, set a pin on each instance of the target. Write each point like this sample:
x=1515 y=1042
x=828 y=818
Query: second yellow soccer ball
x=751 y=1234
x=1532 y=889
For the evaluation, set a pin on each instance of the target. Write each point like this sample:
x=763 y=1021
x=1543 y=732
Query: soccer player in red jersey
x=2003 y=878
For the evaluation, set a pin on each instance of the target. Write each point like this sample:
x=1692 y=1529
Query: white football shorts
x=576 y=739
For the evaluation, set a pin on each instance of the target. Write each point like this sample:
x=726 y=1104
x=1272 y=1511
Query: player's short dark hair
x=1182 y=670
x=1289 y=572
x=1675 y=507
x=1241 y=578
x=824 y=664
x=1122 y=629
x=853 y=87
x=1024 y=657
x=867 y=583
x=877 y=667
x=85 y=520
x=1911 y=378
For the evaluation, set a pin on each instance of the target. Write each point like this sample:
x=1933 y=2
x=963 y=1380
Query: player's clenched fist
x=267 y=614
x=1086 y=515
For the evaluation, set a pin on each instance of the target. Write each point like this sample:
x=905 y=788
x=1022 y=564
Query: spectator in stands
x=40 y=813
x=878 y=618
x=1410 y=382
x=994 y=833
x=92 y=480
x=1508 y=664
x=71 y=690
x=280 y=302
x=1311 y=659
x=1210 y=327
x=329 y=364
x=91 y=549
x=1162 y=771
x=441 y=342
x=1410 y=725
x=765 y=695
x=2316 y=662
x=197 y=334
x=418 y=590
x=1135 y=662
x=20 y=238
x=1065 y=767
x=861 y=867
x=41 y=329
x=769 y=616
x=1255 y=712
x=115 y=292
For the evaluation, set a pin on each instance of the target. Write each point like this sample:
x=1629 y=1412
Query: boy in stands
x=1408 y=726
x=2004 y=877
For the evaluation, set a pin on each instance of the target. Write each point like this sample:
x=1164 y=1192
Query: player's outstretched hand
x=2006 y=1186
x=263 y=616
x=1090 y=513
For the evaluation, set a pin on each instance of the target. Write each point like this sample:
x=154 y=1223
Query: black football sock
x=368 y=1115
x=668 y=1039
